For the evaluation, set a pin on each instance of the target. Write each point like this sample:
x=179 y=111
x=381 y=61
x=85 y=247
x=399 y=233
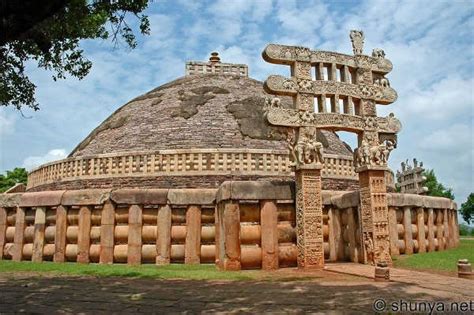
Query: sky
x=430 y=44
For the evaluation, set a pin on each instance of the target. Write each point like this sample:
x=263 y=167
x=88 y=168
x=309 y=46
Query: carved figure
x=369 y=248
x=307 y=149
x=291 y=142
x=305 y=84
x=357 y=39
x=289 y=85
x=378 y=53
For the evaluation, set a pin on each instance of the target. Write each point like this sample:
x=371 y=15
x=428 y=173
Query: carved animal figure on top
x=378 y=53
x=307 y=149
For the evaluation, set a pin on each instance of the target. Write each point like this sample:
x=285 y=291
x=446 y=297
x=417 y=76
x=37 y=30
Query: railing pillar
x=431 y=234
x=420 y=221
x=38 y=240
x=60 y=234
x=192 y=246
x=17 y=254
x=84 y=235
x=392 y=226
x=408 y=230
x=135 y=223
x=269 y=221
x=3 y=229
x=163 y=241
x=107 y=227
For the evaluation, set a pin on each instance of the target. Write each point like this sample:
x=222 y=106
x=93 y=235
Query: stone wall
x=244 y=224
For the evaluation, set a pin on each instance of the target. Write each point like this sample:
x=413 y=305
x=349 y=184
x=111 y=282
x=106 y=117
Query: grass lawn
x=444 y=261
x=173 y=271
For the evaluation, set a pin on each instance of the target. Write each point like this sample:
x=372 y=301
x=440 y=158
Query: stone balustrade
x=241 y=225
x=251 y=162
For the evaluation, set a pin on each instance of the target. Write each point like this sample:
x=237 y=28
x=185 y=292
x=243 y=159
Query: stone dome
x=196 y=111
x=194 y=132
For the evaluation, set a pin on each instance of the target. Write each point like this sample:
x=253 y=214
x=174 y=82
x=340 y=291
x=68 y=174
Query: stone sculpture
x=377 y=135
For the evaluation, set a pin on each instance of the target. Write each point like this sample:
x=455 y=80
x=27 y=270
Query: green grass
x=173 y=271
x=438 y=261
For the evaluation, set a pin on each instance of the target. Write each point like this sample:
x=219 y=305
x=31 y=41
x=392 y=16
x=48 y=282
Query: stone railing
x=253 y=162
x=122 y=226
x=241 y=225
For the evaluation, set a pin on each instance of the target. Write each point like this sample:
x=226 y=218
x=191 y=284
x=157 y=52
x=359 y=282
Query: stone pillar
x=269 y=222
x=60 y=234
x=135 y=223
x=192 y=249
x=439 y=229
x=17 y=254
x=84 y=235
x=163 y=241
x=420 y=221
x=431 y=234
x=3 y=229
x=374 y=214
x=231 y=236
x=446 y=233
x=408 y=230
x=107 y=227
x=351 y=230
x=309 y=218
x=38 y=240
x=392 y=226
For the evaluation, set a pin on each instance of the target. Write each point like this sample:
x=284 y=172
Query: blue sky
x=430 y=44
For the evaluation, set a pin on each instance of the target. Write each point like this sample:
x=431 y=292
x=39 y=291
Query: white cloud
x=7 y=123
x=34 y=161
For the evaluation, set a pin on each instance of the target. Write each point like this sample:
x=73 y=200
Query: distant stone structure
x=410 y=179
x=215 y=66
x=214 y=168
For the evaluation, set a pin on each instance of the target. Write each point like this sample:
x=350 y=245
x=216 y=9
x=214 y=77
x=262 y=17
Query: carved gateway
x=336 y=92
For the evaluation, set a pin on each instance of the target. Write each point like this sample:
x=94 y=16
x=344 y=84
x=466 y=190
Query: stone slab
x=140 y=196
x=42 y=198
x=256 y=190
x=192 y=196
x=85 y=197
x=10 y=200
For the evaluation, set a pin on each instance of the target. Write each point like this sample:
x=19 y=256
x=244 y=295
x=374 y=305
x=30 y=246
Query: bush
x=464 y=230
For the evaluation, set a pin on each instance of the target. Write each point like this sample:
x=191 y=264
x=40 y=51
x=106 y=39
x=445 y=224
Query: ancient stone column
x=17 y=254
x=231 y=238
x=135 y=223
x=420 y=221
x=309 y=218
x=163 y=241
x=439 y=229
x=374 y=214
x=408 y=230
x=351 y=231
x=269 y=221
x=84 y=235
x=446 y=233
x=38 y=240
x=431 y=234
x=107 y=227
x=392 y=221
x=3 y=229
x=60 y=234
x=192 y=250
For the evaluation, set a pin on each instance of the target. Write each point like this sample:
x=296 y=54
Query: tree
x=435 y=188
x=467 y=209
x=49 y=33
x=17 y=175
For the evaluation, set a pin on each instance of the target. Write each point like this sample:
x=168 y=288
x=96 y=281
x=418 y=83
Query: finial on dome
x=214 y=57
x=215 y=66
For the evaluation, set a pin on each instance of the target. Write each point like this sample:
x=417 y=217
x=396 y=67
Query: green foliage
x=467 y=209
x=49 y=32
x=17 y=175
x=464 y=230
x=435 y=188
x=445 y=260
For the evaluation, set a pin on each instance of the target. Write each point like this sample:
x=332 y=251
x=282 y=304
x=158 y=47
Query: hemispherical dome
x=194 y=132
x=198 y=111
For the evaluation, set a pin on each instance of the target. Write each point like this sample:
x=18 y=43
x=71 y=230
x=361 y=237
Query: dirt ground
x=290 y=292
